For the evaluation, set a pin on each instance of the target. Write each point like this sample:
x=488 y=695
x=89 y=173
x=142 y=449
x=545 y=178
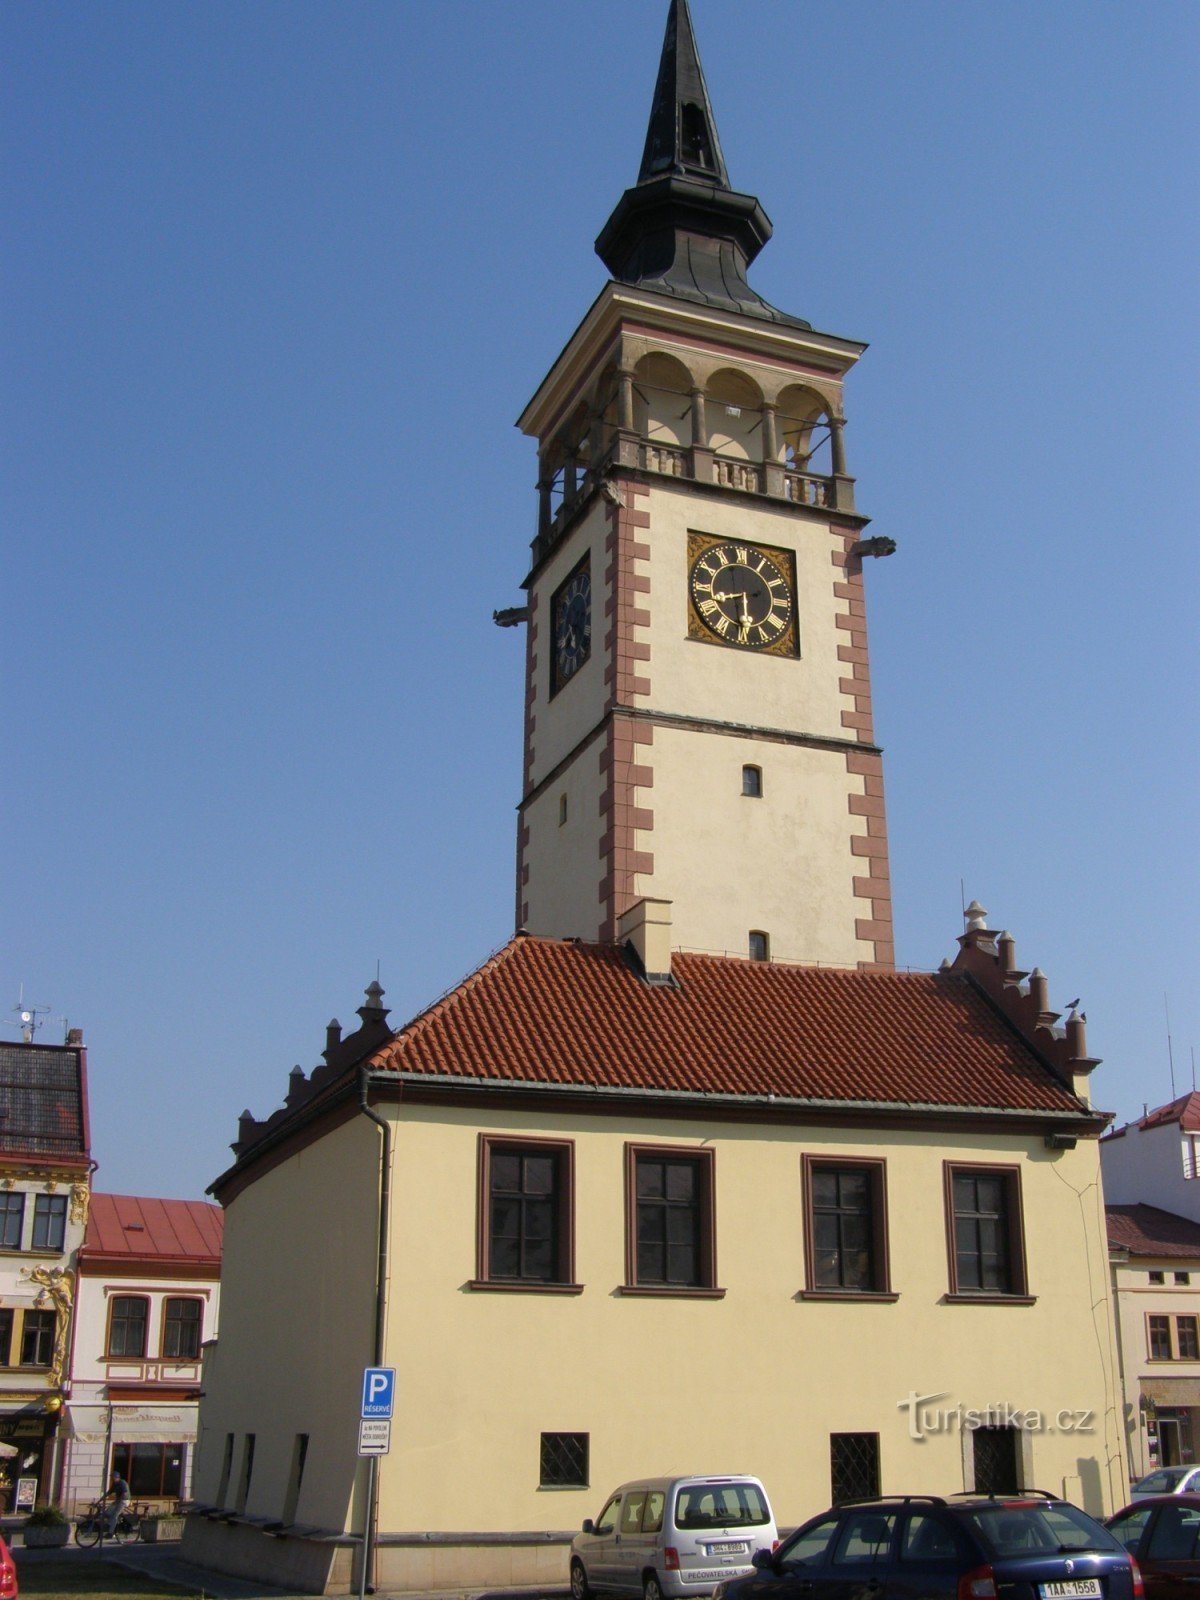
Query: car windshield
x=721 y=1505
x=1165 y=1481
x=1015 y=1528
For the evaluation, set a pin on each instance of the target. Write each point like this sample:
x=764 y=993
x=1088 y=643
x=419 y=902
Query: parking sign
x=379 y=1389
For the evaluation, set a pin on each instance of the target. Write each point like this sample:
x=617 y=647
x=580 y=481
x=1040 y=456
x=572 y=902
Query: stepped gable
x=545 y=1011
x=1146 y=1231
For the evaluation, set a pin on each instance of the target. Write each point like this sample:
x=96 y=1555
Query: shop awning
x=1172 y=1391
x=175 y=1424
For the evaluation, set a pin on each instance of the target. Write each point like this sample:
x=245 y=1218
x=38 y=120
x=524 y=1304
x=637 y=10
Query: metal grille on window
x=853 y=1466
x=995 y=1451
x=564 y=1461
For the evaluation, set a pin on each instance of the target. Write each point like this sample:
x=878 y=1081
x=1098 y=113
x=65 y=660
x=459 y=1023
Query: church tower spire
x=682 y=229
x=700 y=769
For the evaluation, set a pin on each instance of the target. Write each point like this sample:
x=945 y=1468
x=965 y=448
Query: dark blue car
x=1026 y=1546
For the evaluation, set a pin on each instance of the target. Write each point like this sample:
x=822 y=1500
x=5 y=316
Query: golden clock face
x=742 y=594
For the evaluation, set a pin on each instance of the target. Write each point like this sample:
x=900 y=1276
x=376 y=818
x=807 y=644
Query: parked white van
x=672 y=1537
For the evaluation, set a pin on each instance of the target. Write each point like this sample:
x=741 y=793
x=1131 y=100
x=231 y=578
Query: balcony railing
x=805 y=490
x=737 y=474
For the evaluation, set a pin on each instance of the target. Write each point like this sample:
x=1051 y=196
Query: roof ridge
x=462 y=987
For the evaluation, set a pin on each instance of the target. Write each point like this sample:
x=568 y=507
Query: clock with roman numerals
x=742 y=595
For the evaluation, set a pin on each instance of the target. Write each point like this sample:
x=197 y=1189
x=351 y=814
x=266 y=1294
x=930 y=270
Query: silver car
x=673 y=1537
x=1167 y=1480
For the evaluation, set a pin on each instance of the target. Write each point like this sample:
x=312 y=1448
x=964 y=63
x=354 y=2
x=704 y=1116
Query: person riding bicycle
x=118 y=1494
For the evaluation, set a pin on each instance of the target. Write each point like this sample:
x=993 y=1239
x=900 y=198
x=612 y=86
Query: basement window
x=563 y=1461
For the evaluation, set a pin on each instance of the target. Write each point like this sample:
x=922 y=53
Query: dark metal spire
x=682 y=136
x=682 y=230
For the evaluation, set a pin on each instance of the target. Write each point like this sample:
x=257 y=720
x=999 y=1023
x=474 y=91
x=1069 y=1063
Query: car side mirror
x=588 y=1525
x=762 y=1560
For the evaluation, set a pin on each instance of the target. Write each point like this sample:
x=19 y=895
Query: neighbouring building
x=45 y=1172
x=147 y=1300
x=687 y=1177
x=1155 y=1161
x=1155 y=1261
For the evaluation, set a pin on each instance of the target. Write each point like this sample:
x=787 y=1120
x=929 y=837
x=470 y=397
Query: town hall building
x=687 y=1177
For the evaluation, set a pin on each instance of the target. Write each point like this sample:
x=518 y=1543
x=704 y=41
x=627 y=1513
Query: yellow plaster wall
x=297 y=1324
x=754 y=1382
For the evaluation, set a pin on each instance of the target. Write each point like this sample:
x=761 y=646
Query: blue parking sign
x=379 y=1390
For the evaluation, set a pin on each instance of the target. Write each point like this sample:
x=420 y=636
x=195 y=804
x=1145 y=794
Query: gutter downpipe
x=385 y=1202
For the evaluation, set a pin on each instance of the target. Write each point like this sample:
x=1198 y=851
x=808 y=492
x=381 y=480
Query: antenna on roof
x=1170 y=1052
x=28 y=1016
x=1193 y=1069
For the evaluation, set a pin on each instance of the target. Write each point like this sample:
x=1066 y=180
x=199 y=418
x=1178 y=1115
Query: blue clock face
x=572 y=624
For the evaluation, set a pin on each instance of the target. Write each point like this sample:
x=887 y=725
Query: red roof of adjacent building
x=1185 y=1111
x=128 y=1227
x=1147 y=1231
x=558 y=1012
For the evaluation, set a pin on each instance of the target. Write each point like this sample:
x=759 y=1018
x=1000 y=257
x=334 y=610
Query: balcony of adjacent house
x=724 y=432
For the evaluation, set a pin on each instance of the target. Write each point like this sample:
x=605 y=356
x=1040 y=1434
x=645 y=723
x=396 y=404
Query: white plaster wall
x=564 y=860
x=729 y=863
x=579 y=704
x=1147 y=1167
x=720 y=682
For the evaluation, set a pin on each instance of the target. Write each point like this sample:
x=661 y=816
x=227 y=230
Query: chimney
x=646 y=929
x=333 y=1037
x=75 y=1038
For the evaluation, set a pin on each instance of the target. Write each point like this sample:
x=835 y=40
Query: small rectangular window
x=752 y=782
x=12 y=1219
x=562 y=809
x=181 y=1328
x=127 y=1321
x=563 y=1461
x=670 y=1238
x=37 y=1338
x=987 y=1254
x=247 y=1473
x=6 y=1335
x=226 y=1470
x=846 y=1226
x=295 y=1479
x=526 y=1228
x=1156 y=1277
x=49 y=1221
x=1160 y=1338
x=760 y=945
x=1187 y=1345
x=1183 y=1279
x=853 y=1467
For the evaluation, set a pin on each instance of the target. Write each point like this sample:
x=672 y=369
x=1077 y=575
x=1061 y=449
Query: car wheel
x=581 y=1589
x=651 y=1588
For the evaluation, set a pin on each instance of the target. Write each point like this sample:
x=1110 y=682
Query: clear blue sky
x=277 y=278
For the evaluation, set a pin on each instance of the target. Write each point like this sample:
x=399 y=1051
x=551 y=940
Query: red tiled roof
x=559 y=1012
x=1147 y=1231
x=133 y=1228
x=1185 y=1111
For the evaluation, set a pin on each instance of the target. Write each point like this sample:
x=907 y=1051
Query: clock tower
x=700 y=765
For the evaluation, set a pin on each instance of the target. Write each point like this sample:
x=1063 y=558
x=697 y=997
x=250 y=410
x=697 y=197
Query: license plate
x=735 y=1548
x=1069 y=1588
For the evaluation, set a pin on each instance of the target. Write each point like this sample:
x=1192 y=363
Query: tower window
x=752 y=782
x=760 y=945
x=562 y=809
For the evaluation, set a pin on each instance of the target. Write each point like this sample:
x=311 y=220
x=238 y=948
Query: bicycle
x=93 y=1525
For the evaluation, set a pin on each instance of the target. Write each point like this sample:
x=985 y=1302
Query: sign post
x=374 y=1439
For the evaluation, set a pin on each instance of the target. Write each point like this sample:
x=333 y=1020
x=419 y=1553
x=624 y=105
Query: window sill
x=504 y=1286
x=883 y=1297
x=963 y=1299
x=666 y=1291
